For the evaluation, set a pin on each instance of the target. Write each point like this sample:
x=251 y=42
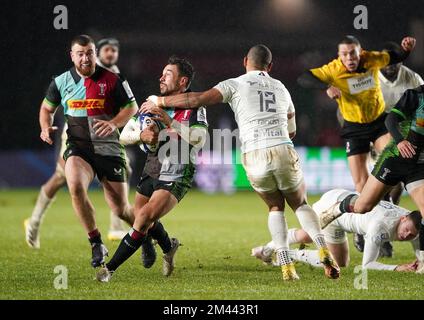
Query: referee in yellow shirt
x=352 y=80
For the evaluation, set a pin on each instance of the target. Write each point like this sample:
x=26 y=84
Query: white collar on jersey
x=387 y=82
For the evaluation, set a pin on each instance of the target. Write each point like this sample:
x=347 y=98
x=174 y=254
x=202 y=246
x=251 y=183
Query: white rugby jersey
x=378 y=226
x=393 y=91
x=260 y=104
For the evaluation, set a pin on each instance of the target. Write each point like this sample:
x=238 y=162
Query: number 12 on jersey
x=266 y=100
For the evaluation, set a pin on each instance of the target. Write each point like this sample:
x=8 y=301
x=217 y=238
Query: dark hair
x=82 y=40
x=185 y=68
x=260 y=55
x=350 y=40
x=416 y=218
x=107 y=41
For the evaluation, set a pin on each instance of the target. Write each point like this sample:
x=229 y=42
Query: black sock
x=95 y=237
x=129 y=244
x=348 y=203
x=159 y=233
x=422 y=237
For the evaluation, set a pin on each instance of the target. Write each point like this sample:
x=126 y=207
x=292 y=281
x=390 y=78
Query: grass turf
x=217 y=232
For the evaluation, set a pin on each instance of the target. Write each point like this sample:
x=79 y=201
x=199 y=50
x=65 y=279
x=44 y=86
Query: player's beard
x=166 y=91
x=86 y=71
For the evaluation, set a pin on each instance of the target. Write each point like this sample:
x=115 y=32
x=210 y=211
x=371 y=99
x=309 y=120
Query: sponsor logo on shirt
x=102 y=89
x=86 y=104
x=361 y=83
x=117 y=172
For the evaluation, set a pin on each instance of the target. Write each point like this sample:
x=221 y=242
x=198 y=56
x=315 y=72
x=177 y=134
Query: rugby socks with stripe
x=95 y=236
x=129 y=244
x=159 y=233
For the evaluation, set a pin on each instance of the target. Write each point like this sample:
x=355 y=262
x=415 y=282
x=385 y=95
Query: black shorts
x=358 y=136
x=391 y=169
x=111 y=168
x=148 y=185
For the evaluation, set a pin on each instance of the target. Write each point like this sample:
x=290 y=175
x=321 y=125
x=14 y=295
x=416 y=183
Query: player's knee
x=122 y=211
x=77 y=190
x=59 y=179
x=146 y=214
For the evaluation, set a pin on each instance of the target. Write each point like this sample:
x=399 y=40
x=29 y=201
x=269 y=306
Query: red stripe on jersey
x=101 y=88
x=182 y=115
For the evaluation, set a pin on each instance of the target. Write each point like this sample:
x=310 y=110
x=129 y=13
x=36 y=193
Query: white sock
x=277 y=225
x=310 y=223
x=40 y=208
x=307 y=256
x=278 y=228
x=115 y=223
x=292 y=236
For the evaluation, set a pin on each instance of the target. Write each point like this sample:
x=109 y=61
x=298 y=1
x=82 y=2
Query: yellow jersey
x=361 y=99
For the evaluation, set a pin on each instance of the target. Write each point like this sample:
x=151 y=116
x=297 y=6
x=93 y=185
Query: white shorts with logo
x=273 y=168
x=334 y=233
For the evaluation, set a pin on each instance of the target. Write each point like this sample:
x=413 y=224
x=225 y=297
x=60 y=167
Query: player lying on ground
x=402 y=160
x=107 y=57
x=96 y=103
x=165 y=179
x=386 y=222
x=265 y=115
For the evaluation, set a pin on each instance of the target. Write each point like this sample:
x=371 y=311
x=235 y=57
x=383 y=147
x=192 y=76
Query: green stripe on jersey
x=399 y=113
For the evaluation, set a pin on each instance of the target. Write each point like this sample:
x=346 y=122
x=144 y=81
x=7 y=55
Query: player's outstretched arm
x=46 y=121
x=308 y=80
x=188 y=100
x=407 y=45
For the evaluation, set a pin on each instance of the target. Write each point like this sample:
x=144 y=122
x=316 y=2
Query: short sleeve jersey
x=361 y=100
x=100 y=96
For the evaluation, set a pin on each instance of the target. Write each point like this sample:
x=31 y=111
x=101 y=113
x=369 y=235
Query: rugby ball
x=147 y=119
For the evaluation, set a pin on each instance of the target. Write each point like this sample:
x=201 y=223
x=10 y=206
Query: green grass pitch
x=217 y=232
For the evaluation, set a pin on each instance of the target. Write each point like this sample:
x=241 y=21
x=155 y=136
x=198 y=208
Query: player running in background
x=265 y=115
x=107 y=57
x=165 y=179
x=385 y=222
x=96 y=103
x=402 y=160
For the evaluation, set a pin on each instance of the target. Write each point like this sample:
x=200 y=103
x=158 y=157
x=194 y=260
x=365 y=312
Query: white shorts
x=274 y=168
x=334 y=234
